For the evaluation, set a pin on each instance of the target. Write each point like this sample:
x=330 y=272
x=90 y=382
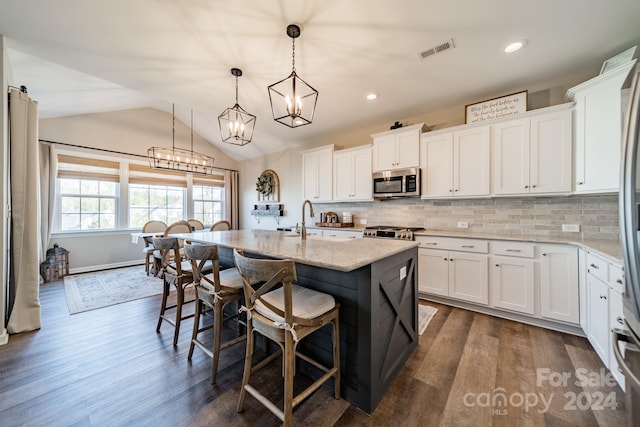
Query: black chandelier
x=293 y=101
x=177 y=159
x=236 y=125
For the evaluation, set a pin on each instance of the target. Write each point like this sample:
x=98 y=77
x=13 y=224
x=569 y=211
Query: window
x=155 y=202
x=208 y=203
x=87 y=204
x=87 y=193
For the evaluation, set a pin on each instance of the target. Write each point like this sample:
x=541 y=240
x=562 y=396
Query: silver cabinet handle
x=619 y=281
x=513 y=250
x=594 y=266
x=545 y=254
x=603 y=297
x=579 y=183
x=467 y=246
x=619 y=320
x=497 y=265
x=429 y=243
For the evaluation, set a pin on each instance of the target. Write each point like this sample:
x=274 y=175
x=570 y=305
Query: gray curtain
x=25 y=242
x=231 y=183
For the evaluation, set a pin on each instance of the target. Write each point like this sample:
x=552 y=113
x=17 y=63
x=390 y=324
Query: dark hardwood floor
x=109 y=367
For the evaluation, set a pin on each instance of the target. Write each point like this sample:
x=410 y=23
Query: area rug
x=89 y=291
x=425 y=314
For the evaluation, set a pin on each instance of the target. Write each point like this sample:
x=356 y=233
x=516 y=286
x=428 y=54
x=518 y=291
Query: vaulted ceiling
x=79 y=56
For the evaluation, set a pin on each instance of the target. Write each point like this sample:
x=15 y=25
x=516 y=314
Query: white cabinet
x=559 y=284
x=397 y=149
x=317 y=174
x=533 y=155
x=512 y=276
x=457 y=269
x=456 y=164
x=598 y=124
x=352 y=174
x=605 y=283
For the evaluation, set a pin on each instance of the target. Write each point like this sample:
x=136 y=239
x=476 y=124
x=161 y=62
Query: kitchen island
x=376 y=286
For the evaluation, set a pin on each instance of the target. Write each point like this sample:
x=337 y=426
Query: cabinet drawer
x=516 y=249
x=616 y=276
x=453 y=244
x=598 y=267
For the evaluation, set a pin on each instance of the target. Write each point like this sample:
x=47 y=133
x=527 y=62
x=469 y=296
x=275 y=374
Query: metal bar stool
x=214 y=290
x=285 y=315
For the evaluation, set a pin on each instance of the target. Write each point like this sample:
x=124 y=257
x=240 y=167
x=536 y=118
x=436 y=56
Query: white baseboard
x=105 y=266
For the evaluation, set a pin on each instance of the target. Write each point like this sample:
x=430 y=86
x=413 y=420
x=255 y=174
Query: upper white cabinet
x=397 y=149
x=598 y=126
x=533 y=155
x=456 y=164
x=352 y=174
x=317 y=174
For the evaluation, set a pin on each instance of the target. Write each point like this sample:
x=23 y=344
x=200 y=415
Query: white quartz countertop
x=333 y=253
x=610 y=249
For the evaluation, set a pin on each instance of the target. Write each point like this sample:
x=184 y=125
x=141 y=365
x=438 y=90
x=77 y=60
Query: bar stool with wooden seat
x=221 y=225
x=285 y=315
x=214 y=290
x=151 y=227
x=178 y=273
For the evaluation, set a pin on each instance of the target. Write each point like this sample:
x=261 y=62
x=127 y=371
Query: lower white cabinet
x=453 y=273
x=559 y=285
x=598 y=316
x=513 y=283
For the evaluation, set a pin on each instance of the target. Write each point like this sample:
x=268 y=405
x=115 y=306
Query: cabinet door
x=408 y=149
x=385 y=152
x=511 y=157
x=437 y=166
x=433 y=272
x=598 y=309
x=362 y=185
x=471 y=162
x=559 y=294
x=598 y=142
x=550 y=165
x=310 y=176
x=343 y=175
x=512 y=284
x=325 y=176
x=468 y=277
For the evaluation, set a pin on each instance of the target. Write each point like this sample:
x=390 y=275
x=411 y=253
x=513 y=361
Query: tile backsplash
x=596 y=215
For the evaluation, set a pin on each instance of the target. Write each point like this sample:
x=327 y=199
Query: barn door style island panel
x=376 y=286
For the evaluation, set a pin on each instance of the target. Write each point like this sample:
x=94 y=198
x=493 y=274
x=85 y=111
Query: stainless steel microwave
x=396 y=183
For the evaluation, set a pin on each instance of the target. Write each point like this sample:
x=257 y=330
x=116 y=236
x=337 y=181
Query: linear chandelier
x=236 y=125
x=177 y=159
x=293 y=101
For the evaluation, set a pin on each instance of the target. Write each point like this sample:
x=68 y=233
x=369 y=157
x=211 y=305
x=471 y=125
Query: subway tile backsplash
x=544 y=216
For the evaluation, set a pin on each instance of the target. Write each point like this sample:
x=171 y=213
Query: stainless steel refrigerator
x=626 y=340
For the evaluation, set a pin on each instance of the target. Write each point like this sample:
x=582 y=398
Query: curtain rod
x=46 y=141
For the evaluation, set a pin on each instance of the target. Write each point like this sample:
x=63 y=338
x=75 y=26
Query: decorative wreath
x=264 y=185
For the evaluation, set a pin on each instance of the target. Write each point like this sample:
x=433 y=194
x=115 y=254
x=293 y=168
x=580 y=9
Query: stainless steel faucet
x=303 y=230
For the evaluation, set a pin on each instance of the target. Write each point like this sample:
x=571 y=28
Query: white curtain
x=231 y=183
x=47 y=172
x=24 y=258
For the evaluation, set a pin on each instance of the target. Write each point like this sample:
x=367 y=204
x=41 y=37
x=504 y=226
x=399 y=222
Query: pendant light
x=177 y=159
x=236 y=125
x=293 y=101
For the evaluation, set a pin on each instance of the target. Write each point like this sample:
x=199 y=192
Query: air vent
x=437 y=49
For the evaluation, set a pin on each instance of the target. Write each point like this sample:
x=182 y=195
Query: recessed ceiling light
x=372 y=96
x=515 y=46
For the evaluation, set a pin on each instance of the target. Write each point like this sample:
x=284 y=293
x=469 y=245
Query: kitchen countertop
x=609 y=249
x=333 y=253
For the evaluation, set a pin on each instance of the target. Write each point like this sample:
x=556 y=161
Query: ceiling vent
x=437 y=49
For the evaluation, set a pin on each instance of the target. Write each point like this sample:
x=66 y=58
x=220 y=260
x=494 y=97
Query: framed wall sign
x=495 y=108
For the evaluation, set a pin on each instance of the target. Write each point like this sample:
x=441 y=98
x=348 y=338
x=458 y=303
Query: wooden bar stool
x=214 y=290
x=175 y=272
x=285 y=315
x=151 y=227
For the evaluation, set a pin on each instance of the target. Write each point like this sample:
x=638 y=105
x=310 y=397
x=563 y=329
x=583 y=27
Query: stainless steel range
x=390 y=232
